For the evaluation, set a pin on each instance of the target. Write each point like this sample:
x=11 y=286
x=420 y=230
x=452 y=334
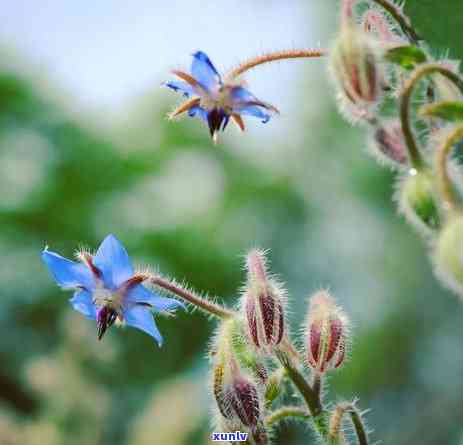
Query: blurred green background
x=310 y=194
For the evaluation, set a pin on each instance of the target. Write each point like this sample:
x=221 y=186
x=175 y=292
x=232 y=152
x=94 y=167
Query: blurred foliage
x=192 y=209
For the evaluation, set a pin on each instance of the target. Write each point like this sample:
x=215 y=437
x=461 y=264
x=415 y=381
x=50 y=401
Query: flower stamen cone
x=326 y=333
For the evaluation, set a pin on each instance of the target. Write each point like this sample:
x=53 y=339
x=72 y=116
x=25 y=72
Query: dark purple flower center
x=217 y=120
x=105 y=318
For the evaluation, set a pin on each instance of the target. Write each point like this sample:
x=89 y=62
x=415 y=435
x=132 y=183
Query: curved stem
x=334 y=433
x=192 y=298
x=445 y=186
x=272 y=57
x=286 y=412
x=423 y=70
x=402 y=20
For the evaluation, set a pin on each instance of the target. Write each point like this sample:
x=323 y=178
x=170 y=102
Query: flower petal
x=140 y=294
x=141 y=318
x=113 y=261
x=240 y=94
x=196 y=110
x=184 y=87
x=254 y=110
x=204 y=71
x=68 y=274
x=83 y=303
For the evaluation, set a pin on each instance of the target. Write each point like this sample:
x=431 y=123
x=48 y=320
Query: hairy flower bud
x=238 y=374
x=263 y=305
x=388 y=144
x=417 y=200
x=326 y=333
x=357 y=71
x=448 y=256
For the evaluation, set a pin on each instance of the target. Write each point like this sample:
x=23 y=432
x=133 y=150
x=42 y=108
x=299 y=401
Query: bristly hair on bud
x=356 y=68
x=327 y=333
x=447 y=258
x=238 y=396
x=417 y=200
x=263 y=304
x=387 y=144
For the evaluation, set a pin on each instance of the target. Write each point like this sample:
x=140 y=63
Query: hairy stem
x=286 y=412
x=192 y=298
x=309 y=395
x=335 y=432
x=402 y=20
x=317 y=383
x=272 y=57
x=445 y=186
x=423 y=70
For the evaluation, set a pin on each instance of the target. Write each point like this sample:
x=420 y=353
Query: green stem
x=192 y=298
x=421 y=71
x=308 y=394
x=286 y=412
x=402 y=20
x=445 y=186
x=359 y=427
x=334 y=436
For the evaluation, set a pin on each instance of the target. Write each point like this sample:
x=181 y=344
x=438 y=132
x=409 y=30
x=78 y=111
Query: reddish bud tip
x=263 y=305
x=326 y=333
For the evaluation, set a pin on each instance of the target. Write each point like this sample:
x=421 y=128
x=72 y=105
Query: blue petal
x=184 y=87
x=68 y=274
x=254 y=110
x=114 y=262
x=140 y=294
x=141 y=318
x=83 y=303
x=241 y=94
x=199 y=111
x=204 y=72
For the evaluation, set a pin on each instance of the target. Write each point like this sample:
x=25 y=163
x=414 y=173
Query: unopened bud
x=237 y=373
x=326 y=336
x=388 y=144
x=357 y=71
x=448 y=256
x=244 y=401
x=263 y=305
x=418 y=201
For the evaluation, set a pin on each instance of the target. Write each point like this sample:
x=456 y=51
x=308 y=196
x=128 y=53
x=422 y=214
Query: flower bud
x=237 y=375
x=263 y=305
x=326 y=333
x=417 y=200
x=388 y=144
x=448 y=256
x=357 y=71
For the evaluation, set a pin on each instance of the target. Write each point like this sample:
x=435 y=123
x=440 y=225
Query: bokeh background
x=85 y=150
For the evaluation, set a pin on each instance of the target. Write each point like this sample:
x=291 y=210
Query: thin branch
x=286 y=412
x=272 y=57
x=402 y=20
x=405 y=98
x=192 y=298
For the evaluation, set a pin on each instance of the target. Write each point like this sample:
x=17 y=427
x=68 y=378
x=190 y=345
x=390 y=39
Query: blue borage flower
x=107 y=288
x=215 y=100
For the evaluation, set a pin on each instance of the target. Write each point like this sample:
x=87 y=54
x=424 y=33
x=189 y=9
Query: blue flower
x=107 y=288
x=215 y=100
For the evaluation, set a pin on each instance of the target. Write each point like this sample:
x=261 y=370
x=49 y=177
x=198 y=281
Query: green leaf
x=448 y=110
x=406 y=56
